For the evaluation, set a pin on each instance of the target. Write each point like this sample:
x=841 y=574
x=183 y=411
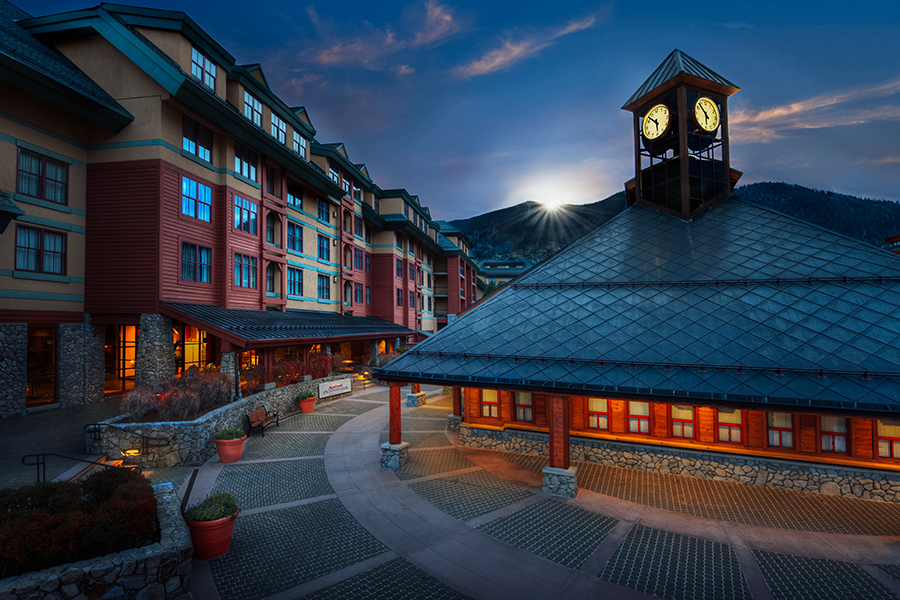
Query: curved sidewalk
x=327 y=521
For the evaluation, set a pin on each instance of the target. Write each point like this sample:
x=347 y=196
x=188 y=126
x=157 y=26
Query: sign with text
x=333 y=388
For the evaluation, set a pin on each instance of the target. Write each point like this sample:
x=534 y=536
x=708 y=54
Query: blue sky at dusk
x=479 y=105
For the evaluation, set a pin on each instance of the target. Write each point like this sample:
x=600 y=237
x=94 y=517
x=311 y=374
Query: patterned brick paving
x=174 y=475
x=801 y=578
x=313 y=422
x=531 y=462
x=262 y=484
x=469 y=495
x=398 y=579
x=433 y=462
x=429 y=411
x=673 y=566
x=281 y=549
x=892 y=570
x=421 y=439
x=346 y=407
x=285 y=446
x=559 y=532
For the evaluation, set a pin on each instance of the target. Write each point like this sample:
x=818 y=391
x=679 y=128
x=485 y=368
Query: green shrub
x=232 y=433
x=216 y=506
x=305 y=395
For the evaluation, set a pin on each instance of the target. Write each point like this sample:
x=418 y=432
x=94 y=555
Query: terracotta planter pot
x=230 y=450
x=212 y=539
x=307 y=405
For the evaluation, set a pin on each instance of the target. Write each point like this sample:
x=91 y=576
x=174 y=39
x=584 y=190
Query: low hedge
x=54 y=523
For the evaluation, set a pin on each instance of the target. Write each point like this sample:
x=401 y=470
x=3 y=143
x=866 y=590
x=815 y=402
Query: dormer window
x=279 y=129
x=300 y=145
x=333 y=174
x=203 y=69
x=253 y=109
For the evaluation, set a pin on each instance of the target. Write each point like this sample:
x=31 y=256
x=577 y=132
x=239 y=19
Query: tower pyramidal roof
x=678 y=67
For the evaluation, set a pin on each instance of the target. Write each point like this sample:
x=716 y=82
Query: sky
x=475 y=105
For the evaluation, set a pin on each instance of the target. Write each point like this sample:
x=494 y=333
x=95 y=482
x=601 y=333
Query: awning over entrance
x=274 y=328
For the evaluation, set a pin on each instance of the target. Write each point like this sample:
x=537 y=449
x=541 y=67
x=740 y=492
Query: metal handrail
x=146 y=440
x=41 y=463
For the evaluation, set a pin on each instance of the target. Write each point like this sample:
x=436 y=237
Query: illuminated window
x=203 y=69
x=781 y=430
x=191 y=348
x=683 y=421
x=834 y=434
x=300 y=145
x=490 y=407
x=278 y=128
x=639 y=417
x=40 y=250
x=42 y=177
x=345 y=185
x=598 y=413
x=294 y=194
x=245 y=213
x=196 y=262
x=333 y=174
x=323 y=248
x=357 y=194
x=523 y=407
x=245 y=161
x=889 y=439
x=731 y=426
x=244 y=271
x=196 y=139
x=252 y=109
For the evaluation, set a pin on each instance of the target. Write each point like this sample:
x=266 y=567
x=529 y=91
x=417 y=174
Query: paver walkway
x=322 y=519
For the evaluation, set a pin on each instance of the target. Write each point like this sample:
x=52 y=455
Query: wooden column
x=456 y=394
x=559 y=431
x=395 y=413
x=415 y=388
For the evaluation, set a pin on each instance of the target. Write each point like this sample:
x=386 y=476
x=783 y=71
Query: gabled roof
x=31 y=65
x=261 y=327
x=256 y=70
x=740 y=306
x=677 y=67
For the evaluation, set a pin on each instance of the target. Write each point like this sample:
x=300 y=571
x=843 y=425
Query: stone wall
x=155 y=358
x=13 y=358
x=160 y=571
x=870 y=484
x=191 y=442
x=80 y=364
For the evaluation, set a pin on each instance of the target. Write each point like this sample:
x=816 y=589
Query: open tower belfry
x=681 y=158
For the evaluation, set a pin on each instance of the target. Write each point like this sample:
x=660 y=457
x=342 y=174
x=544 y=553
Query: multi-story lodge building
x=164 y=208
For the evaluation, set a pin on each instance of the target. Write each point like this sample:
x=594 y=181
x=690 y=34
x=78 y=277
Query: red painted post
x=395 y=413
x=456 y=393
x=416 y=388
x=559 y=431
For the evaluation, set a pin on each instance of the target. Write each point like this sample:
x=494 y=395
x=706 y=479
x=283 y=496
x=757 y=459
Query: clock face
x=706 y=114
x=656 y=122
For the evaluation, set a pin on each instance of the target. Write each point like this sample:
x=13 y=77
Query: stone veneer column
x=155 y=358
x=80 y=364
x=559 y=476
x=455 y=419
x=227 y=366
x=394 y=452
x=13 y=374
x=373 y=351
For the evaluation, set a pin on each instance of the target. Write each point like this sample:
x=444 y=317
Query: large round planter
x=230 y=450
x=307 y=405
x=212 y=539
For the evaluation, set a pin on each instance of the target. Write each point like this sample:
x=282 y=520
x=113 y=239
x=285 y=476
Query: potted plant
x=307 y=401
x=211 y=524
x=230 y=444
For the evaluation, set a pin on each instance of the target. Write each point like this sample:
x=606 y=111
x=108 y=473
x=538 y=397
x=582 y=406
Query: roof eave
x=687 y=79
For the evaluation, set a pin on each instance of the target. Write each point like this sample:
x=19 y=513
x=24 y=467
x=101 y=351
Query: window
x=245 y=161
x=345 y=185
x=270 y=278
x=377 y=204
x=462 y=270
x=196 y=199
x=730 y=425
x=598 y=413
x=272 y=186
x=324 y=288
x=781 y=430
x=368 y=234
x=278 y=128
x=324 y=248
x=523 y=406
x=368 y=263
x=203 y=69
x=490 y=407
x=412 y=299
x=462 y=293
x=244 y=271
x=406 y=210
x=357 y=194
x=399 y=268
x=196 y=262
x=270 y=228
x=368 y=295
x=399 y=240
x=252 y=109
x=333 y=174
x=429 y=281
x=834 y=434
x=295 y=282
x=196 y=139
x=294 y=194
x=300 y=145
x=245 y=215
x=357 y=259
x=412 y=272
x=639 y=417
x=889 y=439
x=295 y=237
x=40 y=251
x=683 y=421
x=324 y=211
x=358 y=225
x=429 y=303
x=358 y=293
x=399 y=297
x=42 y=177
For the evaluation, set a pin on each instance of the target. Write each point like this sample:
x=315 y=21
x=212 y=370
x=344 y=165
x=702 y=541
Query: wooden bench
x=260 y=419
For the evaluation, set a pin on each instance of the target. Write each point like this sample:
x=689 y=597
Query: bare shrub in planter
x=179 y=399
x=319 y=365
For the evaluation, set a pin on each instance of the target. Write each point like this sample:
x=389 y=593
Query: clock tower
x=681 y=159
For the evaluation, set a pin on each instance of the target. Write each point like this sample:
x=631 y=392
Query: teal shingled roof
x=675 y=64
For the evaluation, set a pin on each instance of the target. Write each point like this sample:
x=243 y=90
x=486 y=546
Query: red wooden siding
x=618 y=416
x=576 y=414
x=506 y=406
x=808 y=436
x=706 y=424
x=539 y=402
x=862 y=438
x=122 y=237
x=659 y=420
x=756 y=429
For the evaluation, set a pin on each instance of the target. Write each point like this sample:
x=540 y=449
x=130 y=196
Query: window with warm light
x=834 y=434
x=731 y=425
x=490 y=406
x=598 y=413
x=523 y=407
x=889 y=439
x=683 y=421
x=781 y=429
x=639 y=417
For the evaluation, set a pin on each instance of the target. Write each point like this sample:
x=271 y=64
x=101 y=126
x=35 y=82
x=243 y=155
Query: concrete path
x=322 y=519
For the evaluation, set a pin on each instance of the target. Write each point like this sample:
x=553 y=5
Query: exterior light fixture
x=131 y=452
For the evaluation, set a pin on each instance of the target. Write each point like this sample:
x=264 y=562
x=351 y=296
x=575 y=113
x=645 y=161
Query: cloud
x=887 y=160
x=439 y=24
x=302 y=83
x=511 y=52
x=366 y=53
x=825 y=110
x=404 y=70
